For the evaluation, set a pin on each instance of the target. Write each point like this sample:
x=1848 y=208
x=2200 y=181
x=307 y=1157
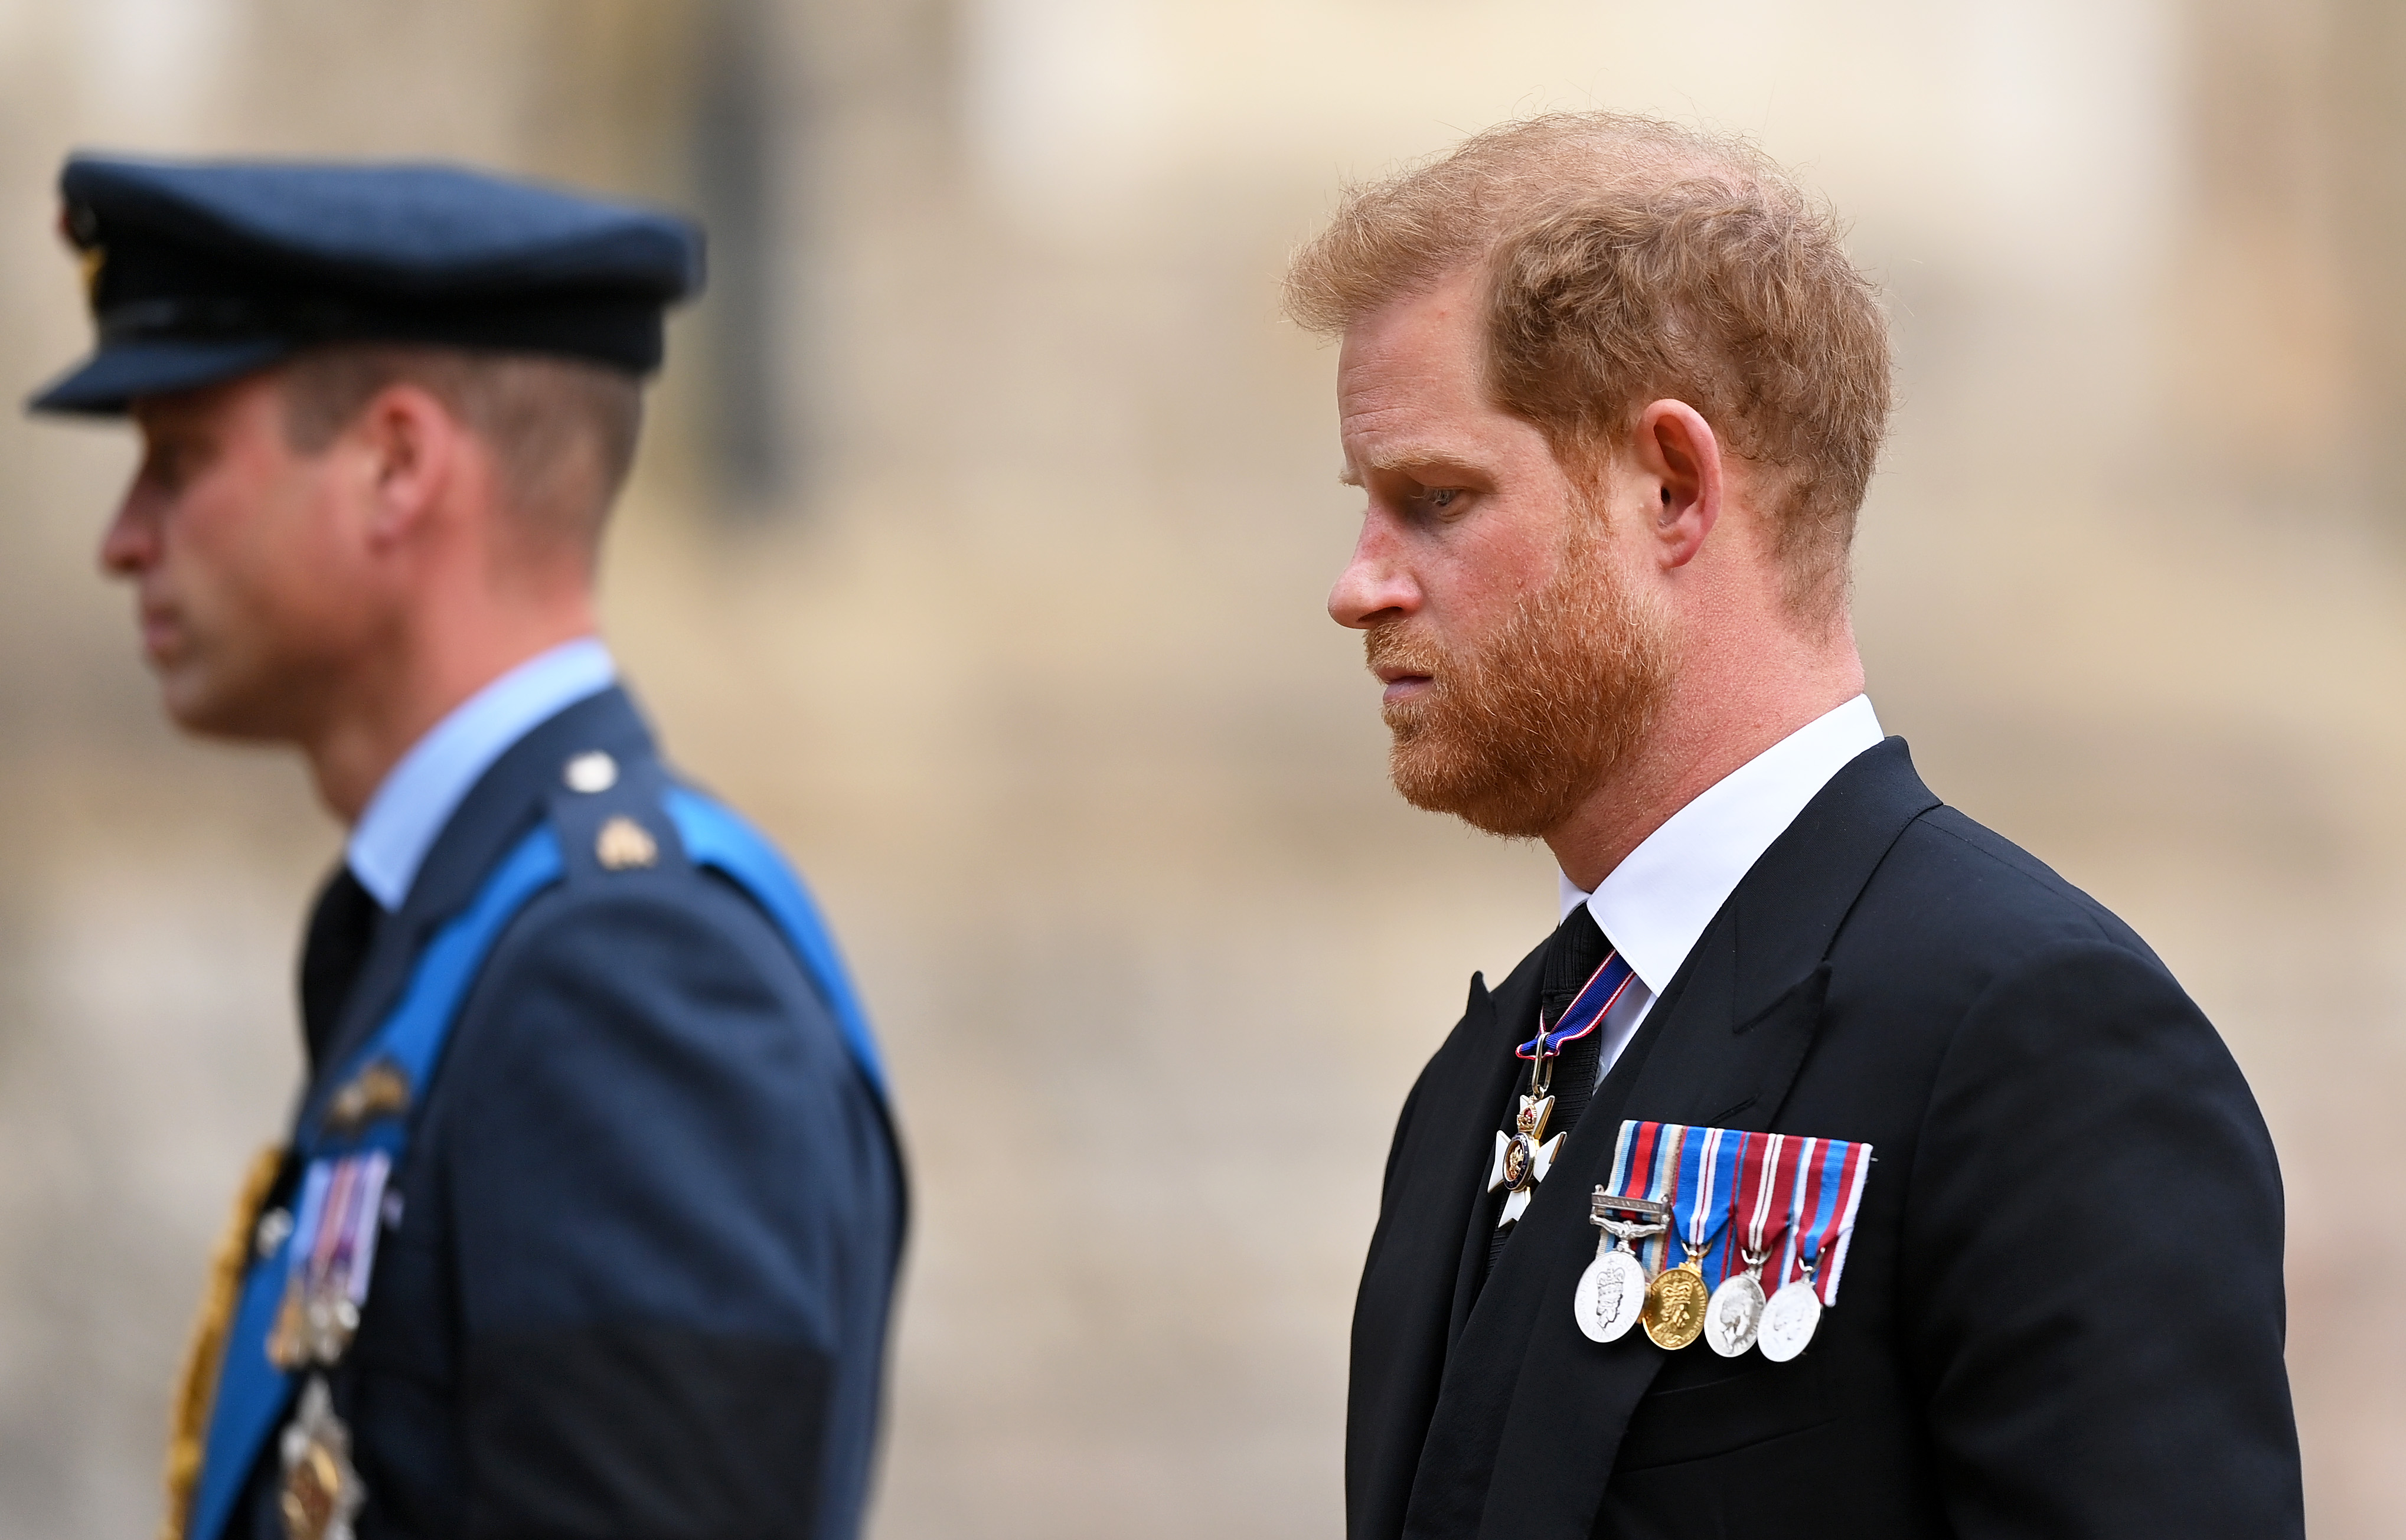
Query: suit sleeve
x=2092 y=1272
x=662 y=1174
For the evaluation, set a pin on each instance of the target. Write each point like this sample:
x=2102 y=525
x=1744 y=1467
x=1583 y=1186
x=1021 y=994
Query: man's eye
x=1437 y=500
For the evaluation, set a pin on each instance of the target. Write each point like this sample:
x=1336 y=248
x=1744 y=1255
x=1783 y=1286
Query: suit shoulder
x=1956 y=886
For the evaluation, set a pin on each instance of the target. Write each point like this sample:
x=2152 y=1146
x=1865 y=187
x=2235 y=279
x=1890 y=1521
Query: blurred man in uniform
x=590 y=1211
x=1613 y=391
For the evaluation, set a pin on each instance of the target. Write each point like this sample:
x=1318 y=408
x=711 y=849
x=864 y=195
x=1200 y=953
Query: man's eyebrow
x=1405 y=458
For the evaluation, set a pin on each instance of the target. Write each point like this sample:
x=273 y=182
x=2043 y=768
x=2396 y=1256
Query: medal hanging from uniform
x=327 y=1265
x=1771 y=1200
x=301 y=1298
x=1523 y=1157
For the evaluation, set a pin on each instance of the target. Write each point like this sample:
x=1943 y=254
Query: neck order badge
x=1738 y=1202
x=1523 y=1157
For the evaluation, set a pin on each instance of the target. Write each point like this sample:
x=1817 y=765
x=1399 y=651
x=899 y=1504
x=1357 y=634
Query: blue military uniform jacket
x=636 y=1271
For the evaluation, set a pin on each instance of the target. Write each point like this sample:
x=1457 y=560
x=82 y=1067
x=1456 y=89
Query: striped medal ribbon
x=1755 y=1214
x=1827 y=1190
x=1700 y=1207
x=1611 y=1294
x=1734 y=1316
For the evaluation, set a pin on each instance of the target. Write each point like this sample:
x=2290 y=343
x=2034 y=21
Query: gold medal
x=1675 y=1305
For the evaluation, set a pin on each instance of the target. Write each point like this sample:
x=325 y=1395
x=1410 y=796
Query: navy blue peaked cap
x=201 y=270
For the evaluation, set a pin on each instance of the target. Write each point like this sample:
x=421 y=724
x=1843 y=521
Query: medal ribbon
x=1623 y=1151
x=336 y=1225
x=1804 y=1195
x=1599 y=995
x=1707 y=1163
x=1758 y=1182
x=1844 y=1167
x=1657 y=1177
x=1791 y=1198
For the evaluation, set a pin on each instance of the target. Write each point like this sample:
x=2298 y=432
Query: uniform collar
x=1656 y=903
x=417 y=797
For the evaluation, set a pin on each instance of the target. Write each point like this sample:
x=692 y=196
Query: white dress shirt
x=1655 y=905
x=417 y=796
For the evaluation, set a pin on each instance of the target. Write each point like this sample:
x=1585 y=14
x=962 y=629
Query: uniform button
x=591 y=772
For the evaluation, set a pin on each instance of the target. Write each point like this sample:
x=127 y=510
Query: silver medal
x=1611 y=1296
x=1734 y=1315
x=1789 y=1319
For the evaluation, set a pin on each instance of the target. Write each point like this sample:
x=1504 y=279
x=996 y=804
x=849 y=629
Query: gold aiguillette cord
x=197 y=1391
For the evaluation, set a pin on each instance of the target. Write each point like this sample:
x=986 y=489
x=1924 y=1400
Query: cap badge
x=624 y=843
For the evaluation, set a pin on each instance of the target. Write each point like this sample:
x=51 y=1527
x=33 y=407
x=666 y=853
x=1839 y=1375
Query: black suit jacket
x=650 y=1219
x=2062 y=1315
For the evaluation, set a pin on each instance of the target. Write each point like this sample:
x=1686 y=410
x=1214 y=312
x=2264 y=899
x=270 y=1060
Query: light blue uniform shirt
x=420 y=793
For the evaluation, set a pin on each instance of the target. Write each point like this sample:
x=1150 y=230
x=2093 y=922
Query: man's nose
x=1375 y=587
x=130 y=543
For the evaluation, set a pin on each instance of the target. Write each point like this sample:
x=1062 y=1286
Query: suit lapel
x=505 y=802
x=1531 y=1414
x=1510 y=1009
x=1416 y=1288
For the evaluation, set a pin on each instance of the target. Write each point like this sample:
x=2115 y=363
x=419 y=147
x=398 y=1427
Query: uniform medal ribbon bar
x=1762 y=1221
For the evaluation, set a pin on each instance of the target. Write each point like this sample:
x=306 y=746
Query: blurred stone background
x=979 y=548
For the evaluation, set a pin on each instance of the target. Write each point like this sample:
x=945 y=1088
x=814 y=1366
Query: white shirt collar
x=1656 y=904
x=417 y=796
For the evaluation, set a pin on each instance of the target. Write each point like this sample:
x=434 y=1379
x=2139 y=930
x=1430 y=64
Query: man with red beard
x=1613 y=391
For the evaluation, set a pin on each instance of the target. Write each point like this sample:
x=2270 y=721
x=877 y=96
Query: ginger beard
x=1516 y=727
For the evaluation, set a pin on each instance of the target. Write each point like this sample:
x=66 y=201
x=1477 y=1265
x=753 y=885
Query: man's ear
x=408 y=447
x=1677 y=449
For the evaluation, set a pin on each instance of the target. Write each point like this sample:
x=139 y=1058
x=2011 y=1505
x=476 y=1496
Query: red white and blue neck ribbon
x=1586 y=1012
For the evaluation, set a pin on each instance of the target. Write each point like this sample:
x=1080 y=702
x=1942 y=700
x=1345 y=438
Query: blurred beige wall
x=979 y=548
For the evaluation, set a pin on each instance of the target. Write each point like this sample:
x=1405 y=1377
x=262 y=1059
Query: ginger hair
x=1624 y=260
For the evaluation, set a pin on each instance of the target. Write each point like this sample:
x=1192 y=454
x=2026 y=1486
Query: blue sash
x=252 y=1391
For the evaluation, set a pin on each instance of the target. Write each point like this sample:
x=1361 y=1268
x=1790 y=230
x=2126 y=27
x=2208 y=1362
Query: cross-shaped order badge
x=1523 y=1157
x=1521 y=1161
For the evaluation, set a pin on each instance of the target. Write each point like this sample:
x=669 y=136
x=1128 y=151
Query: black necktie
x=1578 y=950
x=342 y=927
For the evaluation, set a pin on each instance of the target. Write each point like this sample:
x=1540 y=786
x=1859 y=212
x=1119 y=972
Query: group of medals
x=328 y=1253
x=1763 y=1223
x=1737 y=1202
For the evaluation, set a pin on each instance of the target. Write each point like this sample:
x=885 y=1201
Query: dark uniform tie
x=342 y=927
x=1578 y=950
